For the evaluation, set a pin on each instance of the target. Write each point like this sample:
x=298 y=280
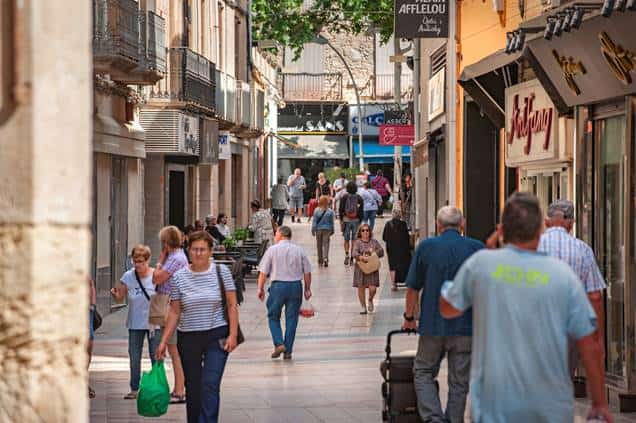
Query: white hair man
x=437 y=260
x=557 y=242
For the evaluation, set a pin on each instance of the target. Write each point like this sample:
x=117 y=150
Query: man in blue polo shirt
x=437 y=260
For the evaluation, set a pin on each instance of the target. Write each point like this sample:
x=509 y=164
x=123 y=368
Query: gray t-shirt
x=295 y=189
x=525 y=306
x=138 y=304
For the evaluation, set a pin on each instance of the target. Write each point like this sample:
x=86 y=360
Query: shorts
x=295 y=203
x=350 y=230
x=91 y=330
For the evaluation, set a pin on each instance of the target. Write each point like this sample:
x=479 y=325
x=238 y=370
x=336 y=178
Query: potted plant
x=229 y=243
x=240 y=235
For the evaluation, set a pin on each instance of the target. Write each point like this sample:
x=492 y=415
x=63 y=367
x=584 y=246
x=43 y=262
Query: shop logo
x=570 y=69
x=620 y=61
x=375 y=119
x=527 y=122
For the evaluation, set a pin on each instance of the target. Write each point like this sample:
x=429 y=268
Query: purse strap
x=223 y=297
x=321 y=216
x=141 y=285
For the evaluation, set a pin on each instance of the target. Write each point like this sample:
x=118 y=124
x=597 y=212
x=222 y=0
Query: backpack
x=351 y=206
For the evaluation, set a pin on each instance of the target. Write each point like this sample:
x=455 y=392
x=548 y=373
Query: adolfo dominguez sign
x=421 y=18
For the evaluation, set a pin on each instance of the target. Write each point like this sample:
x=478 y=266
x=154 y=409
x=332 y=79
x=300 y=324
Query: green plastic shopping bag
x=154 y=393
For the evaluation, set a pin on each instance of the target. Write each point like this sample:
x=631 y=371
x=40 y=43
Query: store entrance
x=609 y=151
x=548 y=185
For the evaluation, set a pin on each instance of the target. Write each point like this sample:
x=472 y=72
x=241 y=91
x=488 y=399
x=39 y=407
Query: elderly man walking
x=525 y=306
x=437 y=260
x=557 y=242
x=286 y=264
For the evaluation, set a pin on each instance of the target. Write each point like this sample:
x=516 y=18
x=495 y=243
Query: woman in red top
x=381 y=185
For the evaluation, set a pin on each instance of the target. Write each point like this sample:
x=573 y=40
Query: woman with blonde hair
x=322 y=227
x=136 y=284
x=171 y=260
x=364 y=246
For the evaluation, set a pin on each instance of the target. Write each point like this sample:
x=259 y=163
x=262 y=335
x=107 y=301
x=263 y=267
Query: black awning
x=486 y=81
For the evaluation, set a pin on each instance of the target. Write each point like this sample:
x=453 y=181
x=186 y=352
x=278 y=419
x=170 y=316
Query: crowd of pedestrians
x=513 y=316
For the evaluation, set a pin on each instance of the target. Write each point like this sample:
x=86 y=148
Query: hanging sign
x=225 y=150
x=421 y=18
x=397 y=134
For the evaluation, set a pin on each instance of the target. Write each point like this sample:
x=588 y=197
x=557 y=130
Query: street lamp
x=319 y=39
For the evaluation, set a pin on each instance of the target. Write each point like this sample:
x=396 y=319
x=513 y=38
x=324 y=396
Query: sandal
x=177 y=399
x=131 y=395
x=394 y=287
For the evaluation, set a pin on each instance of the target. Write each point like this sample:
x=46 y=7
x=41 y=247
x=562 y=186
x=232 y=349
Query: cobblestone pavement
x=334 y=376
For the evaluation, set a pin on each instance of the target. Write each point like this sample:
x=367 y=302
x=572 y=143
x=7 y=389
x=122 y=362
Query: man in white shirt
x=286 y=264
x=338 y=187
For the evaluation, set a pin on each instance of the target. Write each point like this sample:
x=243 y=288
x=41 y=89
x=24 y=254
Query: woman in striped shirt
x=205 y=336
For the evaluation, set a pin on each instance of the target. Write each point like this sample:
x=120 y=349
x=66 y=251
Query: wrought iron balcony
x=191 y=80
x=384 y=86
x=308 y=86
x=244 y=103
x=115 y=36
x=152 y=48
x=128 y=43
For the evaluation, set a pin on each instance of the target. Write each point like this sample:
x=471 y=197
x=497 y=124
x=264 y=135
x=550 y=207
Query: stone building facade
x=45 y=167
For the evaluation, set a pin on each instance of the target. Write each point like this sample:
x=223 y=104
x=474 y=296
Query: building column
x=45 y=180
x=205 y=191
x=214 y=189
x=244 y=206
x=154 y=202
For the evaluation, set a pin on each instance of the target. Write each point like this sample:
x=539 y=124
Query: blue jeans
x=203 y=360
x=430 y=352
x=369 y=218
x=135 y=348
x=290 y=295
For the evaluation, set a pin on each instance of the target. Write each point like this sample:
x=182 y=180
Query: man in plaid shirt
x=557 y=242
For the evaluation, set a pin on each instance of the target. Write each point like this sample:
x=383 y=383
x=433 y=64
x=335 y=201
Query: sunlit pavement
x=333 y=377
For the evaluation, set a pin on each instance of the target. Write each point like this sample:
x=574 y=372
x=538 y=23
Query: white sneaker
x=370 y=307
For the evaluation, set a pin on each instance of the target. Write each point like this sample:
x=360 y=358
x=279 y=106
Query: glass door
x=610 y=240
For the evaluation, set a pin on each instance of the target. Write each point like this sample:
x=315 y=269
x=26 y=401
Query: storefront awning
x=486 y=82
x=373 y=152
x=312 y=147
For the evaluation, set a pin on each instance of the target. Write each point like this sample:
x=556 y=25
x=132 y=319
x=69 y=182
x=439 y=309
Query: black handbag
x=97 y=320
x=239 y=333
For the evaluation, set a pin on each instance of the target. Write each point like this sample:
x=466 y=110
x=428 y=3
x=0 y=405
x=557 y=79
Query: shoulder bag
x=159 y=304
x=371 y=265
x=239 y=333
x=141 y=286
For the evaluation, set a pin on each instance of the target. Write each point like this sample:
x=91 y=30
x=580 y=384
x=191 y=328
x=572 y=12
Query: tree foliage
x=291 y=24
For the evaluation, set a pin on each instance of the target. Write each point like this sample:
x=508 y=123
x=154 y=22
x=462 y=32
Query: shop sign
x=225 y=150
x=530 y=124
x=397 y=135
x=312 y=118
x=373 y=115
x=436 y=94
x=596 y=62
x=421 y=18
x=397 y=117
x=188 y=134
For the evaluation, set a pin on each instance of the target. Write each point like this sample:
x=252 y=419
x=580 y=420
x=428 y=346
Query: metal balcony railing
x=244 y=104
x=192 y=78
x=384 y=86
x=258 y=110
x=116 y=32
x=152 y=31
x=308 y=86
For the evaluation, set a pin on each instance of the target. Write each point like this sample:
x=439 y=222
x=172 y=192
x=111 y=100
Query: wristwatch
x=408 y=318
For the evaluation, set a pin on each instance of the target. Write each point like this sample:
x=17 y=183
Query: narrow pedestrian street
x=334 y=376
